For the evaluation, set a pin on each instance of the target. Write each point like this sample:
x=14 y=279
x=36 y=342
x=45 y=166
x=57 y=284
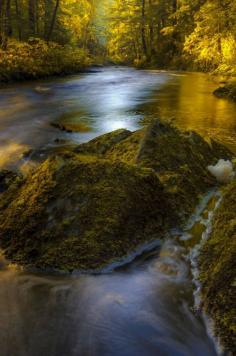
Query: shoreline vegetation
x=40 y=38
x=36 y=59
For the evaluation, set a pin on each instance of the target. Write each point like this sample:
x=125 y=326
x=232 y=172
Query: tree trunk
x=144 y=44
x=36 y=17
x=52 y=24
x=8 y=26
x=174 y=9
x=31 y=10
x=219 y=44
x=18 y=18
x=47 y=16
x=1 y=20
x=151 y=31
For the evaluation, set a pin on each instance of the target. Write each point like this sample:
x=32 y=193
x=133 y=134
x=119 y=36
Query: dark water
x=146 y=307
x=143 y=308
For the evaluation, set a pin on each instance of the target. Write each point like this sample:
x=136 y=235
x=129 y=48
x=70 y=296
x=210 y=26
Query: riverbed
x=148 y=306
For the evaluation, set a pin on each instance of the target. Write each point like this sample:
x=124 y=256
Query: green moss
x=127 y=150
x=218 y=270
x=81 y=212
x=104 y=143
x=179 y=158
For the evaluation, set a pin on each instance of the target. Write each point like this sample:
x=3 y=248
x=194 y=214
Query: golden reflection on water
x=189 y=100
x=9 y=152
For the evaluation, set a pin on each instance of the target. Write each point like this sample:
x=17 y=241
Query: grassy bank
x=37 y=59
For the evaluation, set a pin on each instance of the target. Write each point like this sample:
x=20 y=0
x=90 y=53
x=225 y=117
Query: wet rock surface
x=91 y=204
x=218 y=270
x=71 y=122
x=227 y=91
x=7 y=179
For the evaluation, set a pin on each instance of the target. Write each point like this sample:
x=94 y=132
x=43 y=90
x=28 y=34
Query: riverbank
x=36 y=59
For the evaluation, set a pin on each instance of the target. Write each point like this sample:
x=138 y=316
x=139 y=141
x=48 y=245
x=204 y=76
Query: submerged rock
x=43 y=90
x=226 y=92
x=71 y=122
x=93 y=203
x=218 y=270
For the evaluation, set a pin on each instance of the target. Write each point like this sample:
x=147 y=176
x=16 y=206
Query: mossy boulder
x=226 y=92
x=78 y=212
x=7 y=179
x=104 y=143
x=217 y=264
x=90 y=204
x=180 y=159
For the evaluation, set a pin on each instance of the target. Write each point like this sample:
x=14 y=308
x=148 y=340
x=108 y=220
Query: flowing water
x=108 y=99
x=145 y=307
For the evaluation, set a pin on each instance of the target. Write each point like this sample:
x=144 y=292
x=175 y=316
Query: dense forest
x=176 y=33
x=44 y=37
x=69 y=34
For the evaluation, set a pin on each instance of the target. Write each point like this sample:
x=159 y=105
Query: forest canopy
x=182 y=34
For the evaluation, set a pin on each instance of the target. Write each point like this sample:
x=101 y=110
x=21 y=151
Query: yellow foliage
x=38 y=59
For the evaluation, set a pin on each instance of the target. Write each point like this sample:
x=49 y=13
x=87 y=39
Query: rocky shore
x=218 y=270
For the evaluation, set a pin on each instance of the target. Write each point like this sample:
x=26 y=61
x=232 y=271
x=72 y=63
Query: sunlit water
x=146 y=307
x=108 y=99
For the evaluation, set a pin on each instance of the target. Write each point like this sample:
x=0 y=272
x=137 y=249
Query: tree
x=32 y=17
x=18 y=20
x=52 y=24
x=212 y=43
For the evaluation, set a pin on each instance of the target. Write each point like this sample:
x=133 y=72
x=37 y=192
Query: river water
x=108 y=99
x=147 y=306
